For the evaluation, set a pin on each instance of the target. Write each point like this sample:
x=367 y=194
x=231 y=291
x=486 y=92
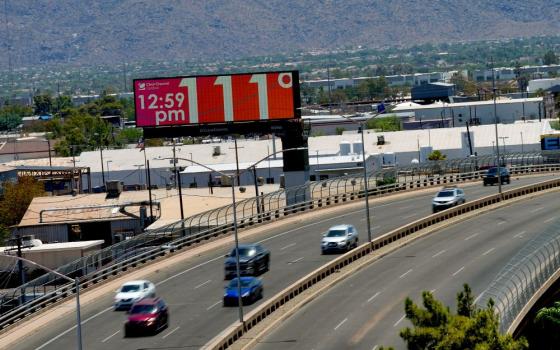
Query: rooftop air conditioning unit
x=380 y=140
x=216 y=151
x=114 y=188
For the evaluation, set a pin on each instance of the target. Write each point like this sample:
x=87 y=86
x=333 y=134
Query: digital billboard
x=213 y=99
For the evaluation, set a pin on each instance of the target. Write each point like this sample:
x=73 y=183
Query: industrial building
x=417 y=116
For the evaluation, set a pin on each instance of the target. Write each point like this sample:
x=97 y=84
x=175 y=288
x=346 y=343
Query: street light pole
x=362 y=130
x=76 y=282
x=496 y=130
x=234 y=207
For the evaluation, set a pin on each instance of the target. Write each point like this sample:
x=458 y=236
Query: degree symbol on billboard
x=285 y=80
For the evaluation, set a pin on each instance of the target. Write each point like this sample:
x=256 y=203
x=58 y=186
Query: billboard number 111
x=225 y=82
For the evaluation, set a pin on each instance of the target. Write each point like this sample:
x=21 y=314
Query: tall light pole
x=521 y=141
x=504 y=142
x=496 y=130
x=361 y=130
x=76 y=282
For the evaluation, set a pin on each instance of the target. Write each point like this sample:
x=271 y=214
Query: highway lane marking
x=457 y=272
x=549 y=220
x=406 y=273
x=211 y=306
x=373 y=297
x=170 y=332
x=488 y=251
x=500 y=223
x=111 y=336
x=295 y=261
x=472 y=236
x=340 y=324
x=73 y=327
x=478 y=298
x=520 y=234
x=288 y=246
x=374 y=348
x=376 y=227
x=409 y=216
x=536 y=209
x=399 y=321
x=188 y=270
x=439 y=253
x=202 y=284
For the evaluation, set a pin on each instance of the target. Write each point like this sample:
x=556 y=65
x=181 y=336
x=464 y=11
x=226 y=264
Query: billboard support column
x=296 y=164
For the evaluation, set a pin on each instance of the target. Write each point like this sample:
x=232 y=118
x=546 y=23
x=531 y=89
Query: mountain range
x=112 y=31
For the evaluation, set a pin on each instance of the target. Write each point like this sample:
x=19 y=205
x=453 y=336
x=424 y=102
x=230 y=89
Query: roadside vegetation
x=435 y=326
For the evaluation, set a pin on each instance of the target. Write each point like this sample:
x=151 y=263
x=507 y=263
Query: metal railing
x=523 y=277
x=237 y=330
x=48 y=288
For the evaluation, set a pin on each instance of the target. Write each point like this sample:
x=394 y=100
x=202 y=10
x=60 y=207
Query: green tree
x=550 y=58
x=434 y=326
x=340 y=130
x=385 y=123
x=16 y=197
x=43 y=104
x=548 y=321
x=436 y=155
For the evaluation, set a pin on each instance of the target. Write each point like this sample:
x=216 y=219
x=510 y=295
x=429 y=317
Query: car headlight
x=150 y=320
x=246 y=294
x=324 y=243
x=341 y=243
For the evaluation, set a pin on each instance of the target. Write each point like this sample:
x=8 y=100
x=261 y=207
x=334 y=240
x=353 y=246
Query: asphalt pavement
x=366 y=311
x=194 y=290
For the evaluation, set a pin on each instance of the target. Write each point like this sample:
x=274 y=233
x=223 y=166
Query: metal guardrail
x=48 y=288
x=237 y=330
x=523 y=277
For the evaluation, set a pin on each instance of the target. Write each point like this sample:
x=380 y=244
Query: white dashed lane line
x=472 y=236
x=488 y=251
x=111 y=336
x=288 y=246
x=399 y=321
x=215 y=304
x=340 y=324
x=519 y=234
x=458 y=271
x=202 y=284
x=373 y=297
x=406 y=273
x=170 y=332
x=439 y=253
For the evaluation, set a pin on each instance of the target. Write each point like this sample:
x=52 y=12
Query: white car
x=339 y=238
x=133 y=291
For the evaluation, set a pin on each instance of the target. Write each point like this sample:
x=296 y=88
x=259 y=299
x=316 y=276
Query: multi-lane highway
x=366 y=310
x=194 y=290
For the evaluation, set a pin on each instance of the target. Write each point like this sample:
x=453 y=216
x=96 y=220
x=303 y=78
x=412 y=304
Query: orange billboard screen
x=214 y=99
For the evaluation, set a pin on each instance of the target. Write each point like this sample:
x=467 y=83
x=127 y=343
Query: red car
x=147 y=316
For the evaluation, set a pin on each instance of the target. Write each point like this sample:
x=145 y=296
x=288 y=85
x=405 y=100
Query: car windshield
x=244 y=283
x=494 y=171
x=130 y=288
x=336 y=233
x=244 y=252
x=446 y=194
x=143 y=309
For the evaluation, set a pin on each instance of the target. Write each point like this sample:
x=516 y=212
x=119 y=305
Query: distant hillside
x=112 y=31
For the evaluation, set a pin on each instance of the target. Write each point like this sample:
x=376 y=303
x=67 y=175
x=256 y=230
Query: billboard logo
x=142 y=86
x=285 y=80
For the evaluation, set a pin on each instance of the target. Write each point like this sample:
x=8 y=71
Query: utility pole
x=50 y=166
x=102 y=167
x=236 y=160
x=496 y=130
x=174 y=163
x=150 y=190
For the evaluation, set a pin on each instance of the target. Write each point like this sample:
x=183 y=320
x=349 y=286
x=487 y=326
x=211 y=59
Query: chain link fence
x=265 y=208
x=523 y=276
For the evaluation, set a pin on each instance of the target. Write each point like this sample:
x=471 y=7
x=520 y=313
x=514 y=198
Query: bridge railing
x=48 y=288
x=524 y=277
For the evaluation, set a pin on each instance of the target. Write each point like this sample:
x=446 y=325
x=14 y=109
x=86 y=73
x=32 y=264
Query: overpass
x=193 y=288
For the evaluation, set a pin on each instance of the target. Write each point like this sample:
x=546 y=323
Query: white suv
x=133 y=291
x=339 y=238
x=448 y=197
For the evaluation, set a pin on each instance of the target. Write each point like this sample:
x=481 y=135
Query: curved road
x=194 y=290
x=366 y=311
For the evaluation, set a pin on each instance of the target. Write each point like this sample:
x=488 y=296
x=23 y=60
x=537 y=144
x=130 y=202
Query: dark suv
x=491 y=176
x=253 y=260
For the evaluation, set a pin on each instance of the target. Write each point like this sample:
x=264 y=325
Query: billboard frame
x=198 y=128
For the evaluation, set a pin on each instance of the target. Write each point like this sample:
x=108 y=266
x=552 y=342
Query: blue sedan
x=251 y=290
